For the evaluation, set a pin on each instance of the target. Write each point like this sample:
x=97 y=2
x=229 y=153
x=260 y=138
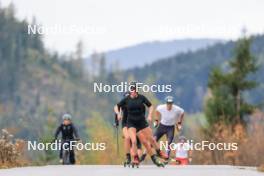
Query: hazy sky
x=108 y=24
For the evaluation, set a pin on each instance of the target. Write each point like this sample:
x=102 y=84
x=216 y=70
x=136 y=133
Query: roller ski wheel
x=157 y=162
x=127 y=163
x=160 y=164
x=166 y=162
x=135 y=165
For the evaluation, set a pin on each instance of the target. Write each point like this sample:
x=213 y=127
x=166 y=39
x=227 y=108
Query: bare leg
x=133 y=137
x=139 y=152
x=148 y=133
x=144 y=140
x=126 y=140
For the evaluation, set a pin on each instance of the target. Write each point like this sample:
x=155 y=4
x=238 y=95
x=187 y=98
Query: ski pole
x=116 y=124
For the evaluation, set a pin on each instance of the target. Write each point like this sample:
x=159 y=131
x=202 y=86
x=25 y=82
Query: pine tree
x=242 y=66
x=226 y=102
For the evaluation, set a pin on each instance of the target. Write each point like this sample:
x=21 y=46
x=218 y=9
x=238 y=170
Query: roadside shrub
x=9 y=150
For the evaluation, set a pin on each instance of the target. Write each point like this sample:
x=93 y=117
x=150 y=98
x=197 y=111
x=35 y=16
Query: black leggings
x=168 y=130
x=71 y=153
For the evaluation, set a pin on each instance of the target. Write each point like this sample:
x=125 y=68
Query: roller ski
x=135 y=163
x=128 y=160
x=127 y=163
x=157 y=162
x=169 y=161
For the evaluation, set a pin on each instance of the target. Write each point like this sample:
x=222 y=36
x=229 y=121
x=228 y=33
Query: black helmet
x=133 y=85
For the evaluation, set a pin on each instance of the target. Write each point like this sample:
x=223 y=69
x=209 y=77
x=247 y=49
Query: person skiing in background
x=137 y=124
x=68 y=132
x=183 y=152
x=167 y=116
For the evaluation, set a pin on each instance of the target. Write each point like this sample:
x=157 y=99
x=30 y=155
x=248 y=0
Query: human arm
x=157 y=117
x=58 y=130
x=180 y=121
x=150 y=113
x=118 y=106
x=150 y=108
x=118 y=112
x=75 y=132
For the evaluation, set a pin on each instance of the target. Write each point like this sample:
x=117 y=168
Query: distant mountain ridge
x=188 y=72
x=148 y=52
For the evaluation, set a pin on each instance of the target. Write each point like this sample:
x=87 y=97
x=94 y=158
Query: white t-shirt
x=169 y=117
x=182 y=150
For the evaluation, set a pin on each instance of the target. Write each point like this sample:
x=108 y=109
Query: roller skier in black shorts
x=138 y=126
x=127 y=141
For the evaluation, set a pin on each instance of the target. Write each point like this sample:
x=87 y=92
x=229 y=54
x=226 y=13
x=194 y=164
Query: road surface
x=147 y=170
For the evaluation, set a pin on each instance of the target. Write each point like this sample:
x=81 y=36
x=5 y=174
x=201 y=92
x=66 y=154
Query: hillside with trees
x=37 y=86
x=188 y=73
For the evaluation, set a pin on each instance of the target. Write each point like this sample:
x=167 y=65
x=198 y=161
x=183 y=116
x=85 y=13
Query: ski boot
x=142 y=158
x=157 y=162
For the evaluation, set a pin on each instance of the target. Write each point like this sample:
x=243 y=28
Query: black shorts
x=124 y=122
x=138 y=124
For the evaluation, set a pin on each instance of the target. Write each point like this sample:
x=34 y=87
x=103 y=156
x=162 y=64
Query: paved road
x=114 y=170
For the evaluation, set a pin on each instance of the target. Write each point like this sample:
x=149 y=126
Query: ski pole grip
x=116 y=121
